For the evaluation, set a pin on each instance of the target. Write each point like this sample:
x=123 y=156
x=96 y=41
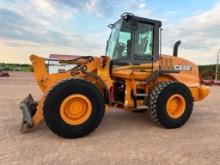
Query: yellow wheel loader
x=133 y=75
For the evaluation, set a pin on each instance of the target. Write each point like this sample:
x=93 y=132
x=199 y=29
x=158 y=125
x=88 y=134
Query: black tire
x=158 y=99
x=51 y=108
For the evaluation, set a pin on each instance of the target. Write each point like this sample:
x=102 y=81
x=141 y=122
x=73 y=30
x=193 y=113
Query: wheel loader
x=133 y=76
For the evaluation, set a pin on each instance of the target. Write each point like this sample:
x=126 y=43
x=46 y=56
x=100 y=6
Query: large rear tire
x=73 y=108
x=170 y=104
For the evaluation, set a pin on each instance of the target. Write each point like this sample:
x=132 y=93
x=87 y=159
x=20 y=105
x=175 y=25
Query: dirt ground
x=122 y=138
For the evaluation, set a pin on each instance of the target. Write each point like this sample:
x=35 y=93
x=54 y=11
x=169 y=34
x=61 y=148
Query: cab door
x=143 y=54
x=136 y=47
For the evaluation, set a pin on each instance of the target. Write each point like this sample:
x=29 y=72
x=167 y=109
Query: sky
x=44 y=27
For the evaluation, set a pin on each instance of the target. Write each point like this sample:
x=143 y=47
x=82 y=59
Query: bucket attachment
x=28 y=107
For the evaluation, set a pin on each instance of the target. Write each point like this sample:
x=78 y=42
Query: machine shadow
x=119 y=120
x=115 y=120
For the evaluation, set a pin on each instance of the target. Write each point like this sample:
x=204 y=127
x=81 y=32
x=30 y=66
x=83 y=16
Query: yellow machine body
x=132 y=74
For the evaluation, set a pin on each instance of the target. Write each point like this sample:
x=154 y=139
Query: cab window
x=143 y=45
x=123 y=44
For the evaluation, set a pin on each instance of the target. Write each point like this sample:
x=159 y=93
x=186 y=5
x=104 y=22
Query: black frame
x=156 y=38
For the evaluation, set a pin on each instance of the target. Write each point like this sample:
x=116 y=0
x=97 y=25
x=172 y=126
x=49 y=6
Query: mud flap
x=28 y=107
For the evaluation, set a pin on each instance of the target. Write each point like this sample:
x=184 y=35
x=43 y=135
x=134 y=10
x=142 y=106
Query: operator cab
x=134 y=40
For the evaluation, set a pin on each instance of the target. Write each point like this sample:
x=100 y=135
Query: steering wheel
x=122 y=44
x=120 y=48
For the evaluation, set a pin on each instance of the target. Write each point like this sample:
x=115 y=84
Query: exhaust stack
x=175 y=48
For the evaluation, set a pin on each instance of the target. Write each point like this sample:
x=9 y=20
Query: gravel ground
x=122 y=137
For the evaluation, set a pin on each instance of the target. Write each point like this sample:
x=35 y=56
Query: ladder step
x=142 y=107
x=141 y=82
x=141 y=95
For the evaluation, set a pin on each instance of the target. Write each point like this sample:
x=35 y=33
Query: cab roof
x=140 y=19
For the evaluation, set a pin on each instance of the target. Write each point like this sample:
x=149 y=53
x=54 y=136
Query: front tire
x=170 y=104
x=73 y=108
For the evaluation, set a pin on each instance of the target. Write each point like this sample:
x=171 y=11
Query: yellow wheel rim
x=75 y=109
x=176 y=106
